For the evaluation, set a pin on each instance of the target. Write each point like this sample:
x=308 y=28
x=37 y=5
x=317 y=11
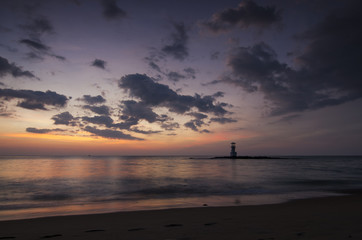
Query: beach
x=318 y=218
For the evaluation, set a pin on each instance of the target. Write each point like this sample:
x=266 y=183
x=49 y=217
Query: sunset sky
x=143 y=77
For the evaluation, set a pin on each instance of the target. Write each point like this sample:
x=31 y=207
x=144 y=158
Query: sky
x=167 y=77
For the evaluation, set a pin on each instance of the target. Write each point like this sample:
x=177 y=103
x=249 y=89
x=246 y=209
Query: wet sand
x=321 y=218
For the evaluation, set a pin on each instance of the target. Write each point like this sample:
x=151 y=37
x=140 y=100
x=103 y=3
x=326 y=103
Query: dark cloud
x=61 y=58
x=170 y=126
x=92 y=100
x=190 y=72
x=42 y=130
x=247 y=14
x=2 y=84
x=287 y=119
x=36 y=45
x=154 y=66
x=328 y=71
x=175 y=76
x=38 y=26
x=138 y=110
x=218 y=94
x=111 y=10
x=34 y=56
x=99 y=120
x=160 y=95
x=136 y=130
x=40 y=49
x=178 y=46
x=6 y=114
x=127 y=123
x=194 y=124
x=205 y=131
x=34 y=99
x=4 y=110
x=99 y=64
x=108 y=133
x=213 y=82
x=156 y=57
x=13 y=70
x=64 y=118
x=223 y=120
x=198 y=116
x=101 y=110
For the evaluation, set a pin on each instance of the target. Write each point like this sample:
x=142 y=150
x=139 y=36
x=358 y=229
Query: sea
x=40 y=186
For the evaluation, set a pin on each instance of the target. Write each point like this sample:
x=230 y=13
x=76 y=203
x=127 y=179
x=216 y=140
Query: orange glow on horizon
x=47 y=143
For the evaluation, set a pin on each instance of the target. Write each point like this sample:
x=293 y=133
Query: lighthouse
x=232 y=152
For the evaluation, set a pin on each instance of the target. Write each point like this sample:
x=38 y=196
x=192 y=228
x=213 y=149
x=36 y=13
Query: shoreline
x=335 y=217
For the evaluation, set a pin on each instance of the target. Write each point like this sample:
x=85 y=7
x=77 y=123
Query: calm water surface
x=45 y=186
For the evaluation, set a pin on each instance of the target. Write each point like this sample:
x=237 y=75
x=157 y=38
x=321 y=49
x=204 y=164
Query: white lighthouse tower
x=232 y=152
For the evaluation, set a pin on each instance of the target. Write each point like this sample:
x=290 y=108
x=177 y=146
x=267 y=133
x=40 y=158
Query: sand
x=322 y=218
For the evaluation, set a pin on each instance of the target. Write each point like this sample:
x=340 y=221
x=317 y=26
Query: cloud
x=101 y=110
x=218 y=94
x=40 y=49
x=327 y=72
x=136 y=130
x=99 y=63
x=34 y=99
x=193 y=124
x=170 y=126
x=154 y=65
x=34 y=56
x=36 y=45
x=247 y=14
x=160 y=95
x=92 y=100
x=198 y=116
x=64 y=118
x=99 y=120
x=205 y=131
x=111 y=10
x=175 y=76
x=43 y=130
x=197 y=122
x=178 y=46
x=13 y=70
x=112 y=134
x=190 y=72
x=127 y=123
x=223 y=120
x=287 y=119
x=38 y=26
x=138 y=110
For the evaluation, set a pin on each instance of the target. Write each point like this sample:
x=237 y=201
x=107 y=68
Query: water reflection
x=73 y=184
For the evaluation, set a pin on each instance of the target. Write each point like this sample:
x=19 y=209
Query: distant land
x=244 y=157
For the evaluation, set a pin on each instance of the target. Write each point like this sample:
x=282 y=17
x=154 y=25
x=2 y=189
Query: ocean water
x=33 y=186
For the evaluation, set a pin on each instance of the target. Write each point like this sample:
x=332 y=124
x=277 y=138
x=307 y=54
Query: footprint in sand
x=51 y=236
x=210 y=224
x=174 y=225
x=95 y=230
